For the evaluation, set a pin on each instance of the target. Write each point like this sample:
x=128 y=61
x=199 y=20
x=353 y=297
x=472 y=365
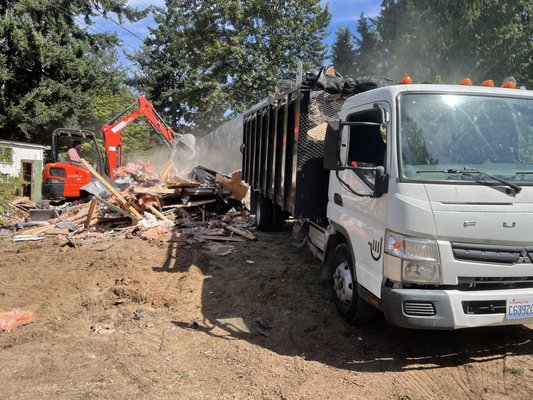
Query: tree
x=343 y=52
x=489 y=39
x=138 y=136
x=51 y=66
x=412 y=40
x=207 y=59
x=367 y=51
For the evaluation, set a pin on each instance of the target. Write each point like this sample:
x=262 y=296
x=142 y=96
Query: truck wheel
x=263 y=213
x=350 y=305
x=253 y=201
x=277 y=218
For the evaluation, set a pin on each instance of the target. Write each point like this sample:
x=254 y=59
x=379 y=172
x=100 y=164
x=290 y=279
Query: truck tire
x=263 y=213
x=354 y=309
x=278 y=216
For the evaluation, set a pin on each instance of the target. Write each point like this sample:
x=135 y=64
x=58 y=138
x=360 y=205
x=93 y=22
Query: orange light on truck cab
x=406 y=80
x=488 y=82
x=466 y=81
x=509 y=82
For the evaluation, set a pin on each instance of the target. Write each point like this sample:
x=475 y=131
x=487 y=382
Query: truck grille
x=492 y=253
x=418 y=309
x=484 y=307
x=494 y=283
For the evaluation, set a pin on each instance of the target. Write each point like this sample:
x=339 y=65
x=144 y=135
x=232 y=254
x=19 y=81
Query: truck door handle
x=337 y=199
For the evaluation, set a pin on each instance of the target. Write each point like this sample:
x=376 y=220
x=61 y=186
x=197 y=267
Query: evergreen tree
x=343 y=52
x=488 y=39
x=51 y=66
x=367 y=51
x=206 y=59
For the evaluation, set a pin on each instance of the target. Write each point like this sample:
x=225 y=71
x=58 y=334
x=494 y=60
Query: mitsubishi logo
x=524 y=258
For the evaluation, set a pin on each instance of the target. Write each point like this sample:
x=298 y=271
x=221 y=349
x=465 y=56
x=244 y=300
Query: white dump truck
x=417 y=198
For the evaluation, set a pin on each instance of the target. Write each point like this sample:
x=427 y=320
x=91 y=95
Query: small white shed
x=25 y=161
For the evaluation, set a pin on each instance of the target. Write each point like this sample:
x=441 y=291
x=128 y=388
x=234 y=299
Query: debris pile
x=143 y=203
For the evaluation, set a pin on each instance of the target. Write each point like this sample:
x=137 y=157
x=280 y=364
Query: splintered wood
x=109 y=187
x=149 y=204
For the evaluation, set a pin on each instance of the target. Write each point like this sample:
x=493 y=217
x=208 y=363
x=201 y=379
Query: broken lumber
x=158 y=214
x=109 y=187
x=221 y=238
x=241 y=232
x=191 y=204
x=155 y=190
x=165 y=170
x=90 y=213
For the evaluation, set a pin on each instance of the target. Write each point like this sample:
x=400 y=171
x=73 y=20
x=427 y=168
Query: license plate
x=519 y=308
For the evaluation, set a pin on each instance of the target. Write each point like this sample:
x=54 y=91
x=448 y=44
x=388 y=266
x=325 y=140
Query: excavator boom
x=113 y=138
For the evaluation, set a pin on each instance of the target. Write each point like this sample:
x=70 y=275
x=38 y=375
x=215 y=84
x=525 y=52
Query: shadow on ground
x=282 y=291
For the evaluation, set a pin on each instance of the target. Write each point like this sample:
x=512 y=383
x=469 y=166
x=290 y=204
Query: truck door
x=362 y=216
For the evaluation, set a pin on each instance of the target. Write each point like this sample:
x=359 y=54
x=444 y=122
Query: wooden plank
x=155 y=190
x=90 y=213
x=191 y=204
x=200 y=191
x=183 y=185
x=109 y=187
x=165 y=170
x=241 y=232
x=221 y=238
x=38 y=230
x=156 y=212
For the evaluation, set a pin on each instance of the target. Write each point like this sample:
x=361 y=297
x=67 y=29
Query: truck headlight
x=420 y=257
x=420 y=272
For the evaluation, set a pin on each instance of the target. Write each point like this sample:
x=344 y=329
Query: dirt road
x=132 y=319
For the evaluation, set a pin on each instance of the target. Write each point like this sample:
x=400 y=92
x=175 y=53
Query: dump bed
x=283 y=150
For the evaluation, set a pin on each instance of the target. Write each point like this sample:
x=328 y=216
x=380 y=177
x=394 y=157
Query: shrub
x=8 y=190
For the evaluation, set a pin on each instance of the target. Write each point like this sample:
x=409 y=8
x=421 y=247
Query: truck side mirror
x=331 y=146
x=381 y=182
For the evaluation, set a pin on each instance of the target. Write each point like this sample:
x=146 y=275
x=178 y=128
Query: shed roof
x=10 y=143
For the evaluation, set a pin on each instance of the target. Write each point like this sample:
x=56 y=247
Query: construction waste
x=142 y=203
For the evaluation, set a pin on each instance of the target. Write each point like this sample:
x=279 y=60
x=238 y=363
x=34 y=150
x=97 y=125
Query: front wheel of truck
x=352 y=307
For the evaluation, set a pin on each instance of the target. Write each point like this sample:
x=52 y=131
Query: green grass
x=516 y=371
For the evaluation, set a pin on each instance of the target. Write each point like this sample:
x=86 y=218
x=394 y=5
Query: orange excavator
x=64 y=179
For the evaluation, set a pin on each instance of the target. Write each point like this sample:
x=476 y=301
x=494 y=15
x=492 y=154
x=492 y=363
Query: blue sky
x=344 y=13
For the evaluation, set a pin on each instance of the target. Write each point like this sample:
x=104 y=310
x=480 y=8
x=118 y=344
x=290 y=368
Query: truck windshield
x=451 y=132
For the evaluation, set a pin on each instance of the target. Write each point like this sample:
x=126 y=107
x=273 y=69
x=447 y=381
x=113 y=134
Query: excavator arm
x=113 y=138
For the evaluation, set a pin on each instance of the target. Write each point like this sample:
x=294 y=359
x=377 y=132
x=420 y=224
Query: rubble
x=202 y=206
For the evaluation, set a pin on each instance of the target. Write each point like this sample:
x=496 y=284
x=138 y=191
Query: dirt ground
x=158 y=320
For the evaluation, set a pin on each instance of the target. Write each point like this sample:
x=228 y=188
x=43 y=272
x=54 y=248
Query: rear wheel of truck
x=278 y=216
x=354 y=309
x=263 y=213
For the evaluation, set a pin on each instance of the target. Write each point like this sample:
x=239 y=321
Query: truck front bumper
x=450 y=309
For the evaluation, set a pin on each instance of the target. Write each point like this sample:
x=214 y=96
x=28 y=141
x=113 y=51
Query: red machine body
x=63 y=179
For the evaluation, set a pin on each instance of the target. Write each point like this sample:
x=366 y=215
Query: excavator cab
x=64 y=179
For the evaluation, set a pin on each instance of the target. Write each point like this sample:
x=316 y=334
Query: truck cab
x=430 y=205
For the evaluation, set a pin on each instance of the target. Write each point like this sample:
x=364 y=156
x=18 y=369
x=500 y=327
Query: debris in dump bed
x=142 y=202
